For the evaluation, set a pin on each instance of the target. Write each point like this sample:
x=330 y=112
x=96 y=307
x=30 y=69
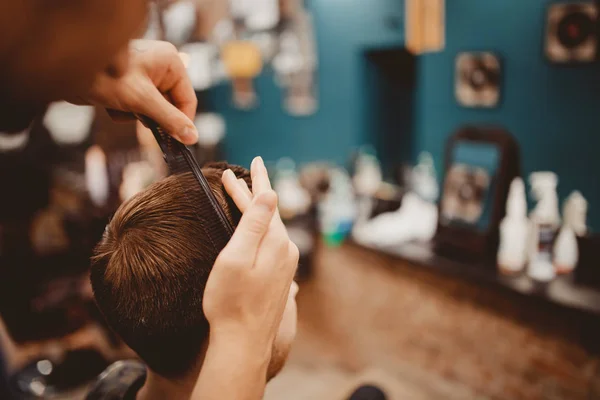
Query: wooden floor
x=346 y=336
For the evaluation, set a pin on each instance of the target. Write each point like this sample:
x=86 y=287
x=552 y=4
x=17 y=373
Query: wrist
x=248 y=348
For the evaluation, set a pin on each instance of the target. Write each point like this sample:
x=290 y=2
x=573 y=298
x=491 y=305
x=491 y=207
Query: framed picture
x=480 y=164
x=478 y=78
x=572 y=33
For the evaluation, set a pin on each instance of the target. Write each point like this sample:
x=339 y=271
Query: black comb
x=180 y=160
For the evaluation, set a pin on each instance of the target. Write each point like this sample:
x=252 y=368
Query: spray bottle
x=424 y=179
x=514 y=230
x=337 y=211
x=566 y=251
x=294 y=200
x=96 y=176
x=545 y=222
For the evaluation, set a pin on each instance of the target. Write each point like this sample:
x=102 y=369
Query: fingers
x=244 y=187
x=168 y=116
x=253 y=226
x=260 y=176
x=185 y=59
x=166 y=69
x=240 y=196
x=182 y=92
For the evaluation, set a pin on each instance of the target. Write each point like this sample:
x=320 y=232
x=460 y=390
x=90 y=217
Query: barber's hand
x=155 y=84
x=248 y=287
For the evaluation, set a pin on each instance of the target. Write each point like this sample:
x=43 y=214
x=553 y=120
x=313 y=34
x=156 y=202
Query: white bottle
x=96 y=176
x=424 y=179
x=368 y=175
x=263 y=15
x=575 y=213
x=294 y=200
x=179 y=21
x=14 y=141
x=337 y=210
x=211 y=129
x=566 y=252
x=545 y=221
x=514 y=231
x=69 y=124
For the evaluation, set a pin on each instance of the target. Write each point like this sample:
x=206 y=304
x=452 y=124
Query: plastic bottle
x=424 y=179
x=96 y=176
x=575 y=213
x=566 y=251
x=514 y=231
x=337 y=210
x=368 y=175
x=545 y=221
x=294 y=200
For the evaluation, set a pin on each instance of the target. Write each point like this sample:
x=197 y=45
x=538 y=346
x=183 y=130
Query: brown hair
x=150 y=269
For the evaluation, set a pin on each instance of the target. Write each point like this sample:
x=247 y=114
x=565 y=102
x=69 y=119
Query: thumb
x=168 y=117
x=253 y=226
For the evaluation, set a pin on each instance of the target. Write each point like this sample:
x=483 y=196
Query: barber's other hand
x=154 y=83
x=248 y=288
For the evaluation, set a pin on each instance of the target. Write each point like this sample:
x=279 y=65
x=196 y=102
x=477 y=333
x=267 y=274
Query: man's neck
x=158 y=387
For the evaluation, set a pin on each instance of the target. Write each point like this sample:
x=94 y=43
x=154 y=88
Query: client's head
x=150 y=270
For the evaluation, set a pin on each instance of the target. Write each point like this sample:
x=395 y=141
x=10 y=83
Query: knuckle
x=294 y=253
x=256 y=227
x=193 y=102
x=169 y=49
x=282 y=251
x=230 y=259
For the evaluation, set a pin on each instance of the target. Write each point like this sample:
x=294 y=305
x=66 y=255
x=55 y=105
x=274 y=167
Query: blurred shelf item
x=425 y=25
x=563 y=291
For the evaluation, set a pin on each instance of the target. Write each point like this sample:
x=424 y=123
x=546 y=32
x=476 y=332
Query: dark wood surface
x=562 y=291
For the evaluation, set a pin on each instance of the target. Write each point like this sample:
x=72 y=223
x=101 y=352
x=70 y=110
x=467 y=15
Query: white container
x=566 y=252
x=545 y=222
x=514 y=231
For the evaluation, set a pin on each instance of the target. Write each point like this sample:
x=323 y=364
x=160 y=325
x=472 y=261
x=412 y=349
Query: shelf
x=562 y=291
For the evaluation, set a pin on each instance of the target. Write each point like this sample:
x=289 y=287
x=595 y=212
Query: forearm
x=232 y=370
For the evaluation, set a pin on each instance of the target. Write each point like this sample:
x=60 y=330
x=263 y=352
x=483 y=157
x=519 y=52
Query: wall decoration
x=425 y=25
x=477 y=81
x=296 y=62
x=243 y=63
x=233 y=40
x=571 y=33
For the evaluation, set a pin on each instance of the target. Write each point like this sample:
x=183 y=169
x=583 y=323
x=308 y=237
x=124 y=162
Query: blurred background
x=436 y=164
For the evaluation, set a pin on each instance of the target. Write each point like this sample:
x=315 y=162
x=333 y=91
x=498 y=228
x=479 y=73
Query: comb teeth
x=180 y=160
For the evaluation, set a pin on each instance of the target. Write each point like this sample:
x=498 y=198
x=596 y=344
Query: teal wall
x=553 y=111
x=344 y=29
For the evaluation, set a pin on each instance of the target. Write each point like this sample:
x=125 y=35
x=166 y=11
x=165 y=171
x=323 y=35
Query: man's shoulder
x=119 y=381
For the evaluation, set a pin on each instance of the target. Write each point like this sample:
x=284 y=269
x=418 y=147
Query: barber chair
x=46 y=378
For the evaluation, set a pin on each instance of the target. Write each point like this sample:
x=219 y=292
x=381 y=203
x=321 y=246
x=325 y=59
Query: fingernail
x=267 y=201
x=189 y=135
x=253 y=166
x=226 y=172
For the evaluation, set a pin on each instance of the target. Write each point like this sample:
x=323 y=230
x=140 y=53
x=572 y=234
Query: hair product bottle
x=514 y=229
x=566 y=251
x=545 y=222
